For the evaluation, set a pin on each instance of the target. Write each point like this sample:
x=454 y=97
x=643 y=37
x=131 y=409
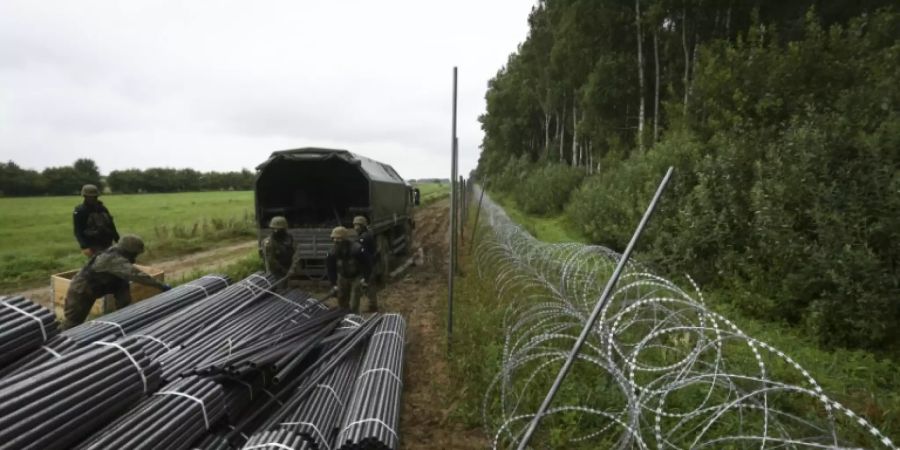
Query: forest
x=780 y=118
x=16 y=181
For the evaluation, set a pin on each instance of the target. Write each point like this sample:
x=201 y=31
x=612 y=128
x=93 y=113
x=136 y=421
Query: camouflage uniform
x=279 y=255
x=108 y=272
x=94 y=227
x=350 y=269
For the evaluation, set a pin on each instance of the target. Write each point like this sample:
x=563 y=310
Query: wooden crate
x=59 y=285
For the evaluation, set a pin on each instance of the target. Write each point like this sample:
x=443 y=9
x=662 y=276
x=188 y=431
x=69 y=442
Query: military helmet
x=339 y=233
x=278 y=223
x=360 y=220
x=89 y=190
x=132 y=244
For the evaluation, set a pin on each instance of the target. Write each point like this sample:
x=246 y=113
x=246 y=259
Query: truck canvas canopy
x=320 y=188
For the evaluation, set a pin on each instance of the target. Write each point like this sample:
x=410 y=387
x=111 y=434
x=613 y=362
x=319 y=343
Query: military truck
x=317 y=189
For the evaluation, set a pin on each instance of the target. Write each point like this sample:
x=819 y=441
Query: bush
x=546 y=190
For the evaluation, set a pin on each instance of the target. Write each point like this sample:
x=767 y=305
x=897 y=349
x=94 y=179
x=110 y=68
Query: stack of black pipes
x=373 y=412
x=56 y=406
x=24 y=327
x=231 y=344
x=126 y=320
x=171 y=332
x=275 y=349
x=318 y=417
x=267 y=333
x=276 y=440
x=170 y=419
x=298 y=398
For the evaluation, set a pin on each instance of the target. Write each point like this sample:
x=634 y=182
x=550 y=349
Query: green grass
x=432 y=192
x=36 y=237
x=548 y=229
x=237 y=270
x=867 y=383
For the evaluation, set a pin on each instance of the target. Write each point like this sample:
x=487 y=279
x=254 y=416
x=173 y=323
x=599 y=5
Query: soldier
x=94 y=226
x=278 y=250
x=366 y=237
x=350 y=271
x=107 y=272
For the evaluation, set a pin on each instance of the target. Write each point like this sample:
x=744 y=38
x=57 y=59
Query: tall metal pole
x=453 y=195
x=604 y=298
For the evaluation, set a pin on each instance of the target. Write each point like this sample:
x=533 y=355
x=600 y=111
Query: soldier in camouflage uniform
x=350 y=271
x=94 y=226
x=278 y=249
x=366 y=237
x=108 y=272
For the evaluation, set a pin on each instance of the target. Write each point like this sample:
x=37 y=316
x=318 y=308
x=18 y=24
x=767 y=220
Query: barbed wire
x=659 y=370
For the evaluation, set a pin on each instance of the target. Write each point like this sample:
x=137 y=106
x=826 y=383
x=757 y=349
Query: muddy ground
x=420 y=294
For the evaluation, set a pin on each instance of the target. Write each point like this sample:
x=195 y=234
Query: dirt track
x=419 y=294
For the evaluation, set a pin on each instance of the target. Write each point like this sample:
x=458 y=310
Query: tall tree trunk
x=694 y=57
x=558 y=123
x=656 y=89
x=562 y=135
x=728 y=22
x=640 y=63
x=687 y=56
x=547 y=133
x=574 y=134
x=590 y=157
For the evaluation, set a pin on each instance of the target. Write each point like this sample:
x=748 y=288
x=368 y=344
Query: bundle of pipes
x=214 y=441
x=174 y=330
x=24 y=327
x=267 y=413
x=241 y=343
x=318 y=417
x=372 y=415
x=172 y=418
x=273 y=349
x=122 y=322
x=55 y=406
x=276 y=440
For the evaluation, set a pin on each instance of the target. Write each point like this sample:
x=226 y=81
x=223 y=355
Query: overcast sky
x=218 y=85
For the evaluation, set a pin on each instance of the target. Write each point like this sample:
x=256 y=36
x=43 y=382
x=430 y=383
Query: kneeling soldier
x=107 y=272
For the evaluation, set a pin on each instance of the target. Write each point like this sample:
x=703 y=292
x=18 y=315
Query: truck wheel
x=383 y=265
x=407 y=246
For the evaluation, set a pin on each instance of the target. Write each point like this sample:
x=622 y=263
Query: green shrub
x=545 y=190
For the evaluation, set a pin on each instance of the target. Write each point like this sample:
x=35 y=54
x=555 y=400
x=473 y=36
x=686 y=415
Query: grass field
x=432 y=192
x=36 y=237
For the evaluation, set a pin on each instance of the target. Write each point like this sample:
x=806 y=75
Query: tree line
x=67 y=180
x=781 y=119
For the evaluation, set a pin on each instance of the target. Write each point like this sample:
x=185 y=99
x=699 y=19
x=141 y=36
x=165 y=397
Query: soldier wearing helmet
x=366 y=237
x=350 y=270
x=107 y=272
x=278 y=249
x=94 y=226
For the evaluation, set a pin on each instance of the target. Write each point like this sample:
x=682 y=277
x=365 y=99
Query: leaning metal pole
x=452 y=272
x=604 y=297
x=477 y=213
